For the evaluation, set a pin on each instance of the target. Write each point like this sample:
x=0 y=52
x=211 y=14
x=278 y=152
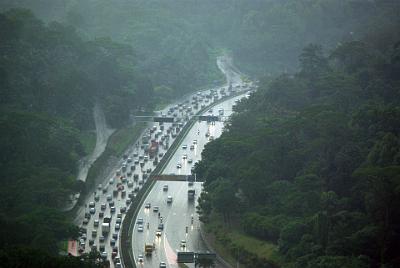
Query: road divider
x=126 y=252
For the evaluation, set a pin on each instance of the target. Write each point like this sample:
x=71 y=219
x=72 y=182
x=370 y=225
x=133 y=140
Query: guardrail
x=126 y=253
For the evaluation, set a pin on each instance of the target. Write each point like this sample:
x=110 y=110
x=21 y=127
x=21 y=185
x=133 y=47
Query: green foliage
x=313 y=159
x=26 y=257
x=50 y=79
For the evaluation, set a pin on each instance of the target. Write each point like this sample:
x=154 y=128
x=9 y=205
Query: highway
x=176 y=216
x=137 y=161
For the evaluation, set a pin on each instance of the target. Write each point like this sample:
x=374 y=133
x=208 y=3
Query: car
x=194 y=141
x=190 y=160
x=102 y=248
x=101 y=214
x=128 y=202
x=96 y=223
x=148 y=170
x=92 y=210
x=190 y=183
x=140 y=258
x=155 y=209
x=112 y=209
x=165 y=187
x=103 y=206
x=111 y=181
x=160 y=154
x=117 y=259
x=102 y=239
x=118 y=265
x=111 y=204
x=139 y=221
x=117 y=227
x=85 y=221
x=118 y=220
x=161 y=226
x=115 y=236
x=158 y=232
x=96 y=198
x=105 y=189
x=91 y=242
x=94 y=233
x=130 y=184
x=178 y=165
x=109 y=197
x=112 y=242
x=148 y=205
x=183 y=243
x=100 y=186
x=192 y=147
x=184 y=156
x=169 y=199
x=140 y=228
x=163 y=265
x=103 y=255
x=184 y=147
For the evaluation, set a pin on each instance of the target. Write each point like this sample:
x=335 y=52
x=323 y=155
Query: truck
x=191 y=194
x=153 y=149
x=148 y=249
x=105 y=226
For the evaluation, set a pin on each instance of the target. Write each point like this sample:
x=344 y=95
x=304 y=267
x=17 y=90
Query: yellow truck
x=148 y=249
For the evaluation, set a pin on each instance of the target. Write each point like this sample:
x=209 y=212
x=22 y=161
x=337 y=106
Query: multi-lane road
x=115 y=193
x=176 y=216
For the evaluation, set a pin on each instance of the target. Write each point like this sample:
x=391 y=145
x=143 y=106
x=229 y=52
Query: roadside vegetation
x=310 y=162
x=50 y=80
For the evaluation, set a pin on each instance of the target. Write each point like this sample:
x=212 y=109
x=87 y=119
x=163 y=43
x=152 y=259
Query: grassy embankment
x=231 y=242
x=88 y=140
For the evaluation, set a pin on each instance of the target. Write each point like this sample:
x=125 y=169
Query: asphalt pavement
x=177 y=215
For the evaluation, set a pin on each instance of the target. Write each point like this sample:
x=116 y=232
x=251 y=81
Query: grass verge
x=88 y=140
x=63 y=246
x=232 y=243
x=123 y=137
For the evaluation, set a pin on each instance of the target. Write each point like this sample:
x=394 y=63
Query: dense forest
x=310 y=160
x=310 y=165
x=50 y=81
x=175 y=41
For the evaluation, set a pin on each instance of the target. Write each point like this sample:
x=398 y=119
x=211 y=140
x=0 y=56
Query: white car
x=184 y=147
x=140 y=258
x=140 y=228
x=178 y=165
x=165 y=187
x=169 y=199
x=183 y=243
x=155 y=209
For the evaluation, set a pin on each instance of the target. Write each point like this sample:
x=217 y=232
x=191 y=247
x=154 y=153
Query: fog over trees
x=308 y=165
